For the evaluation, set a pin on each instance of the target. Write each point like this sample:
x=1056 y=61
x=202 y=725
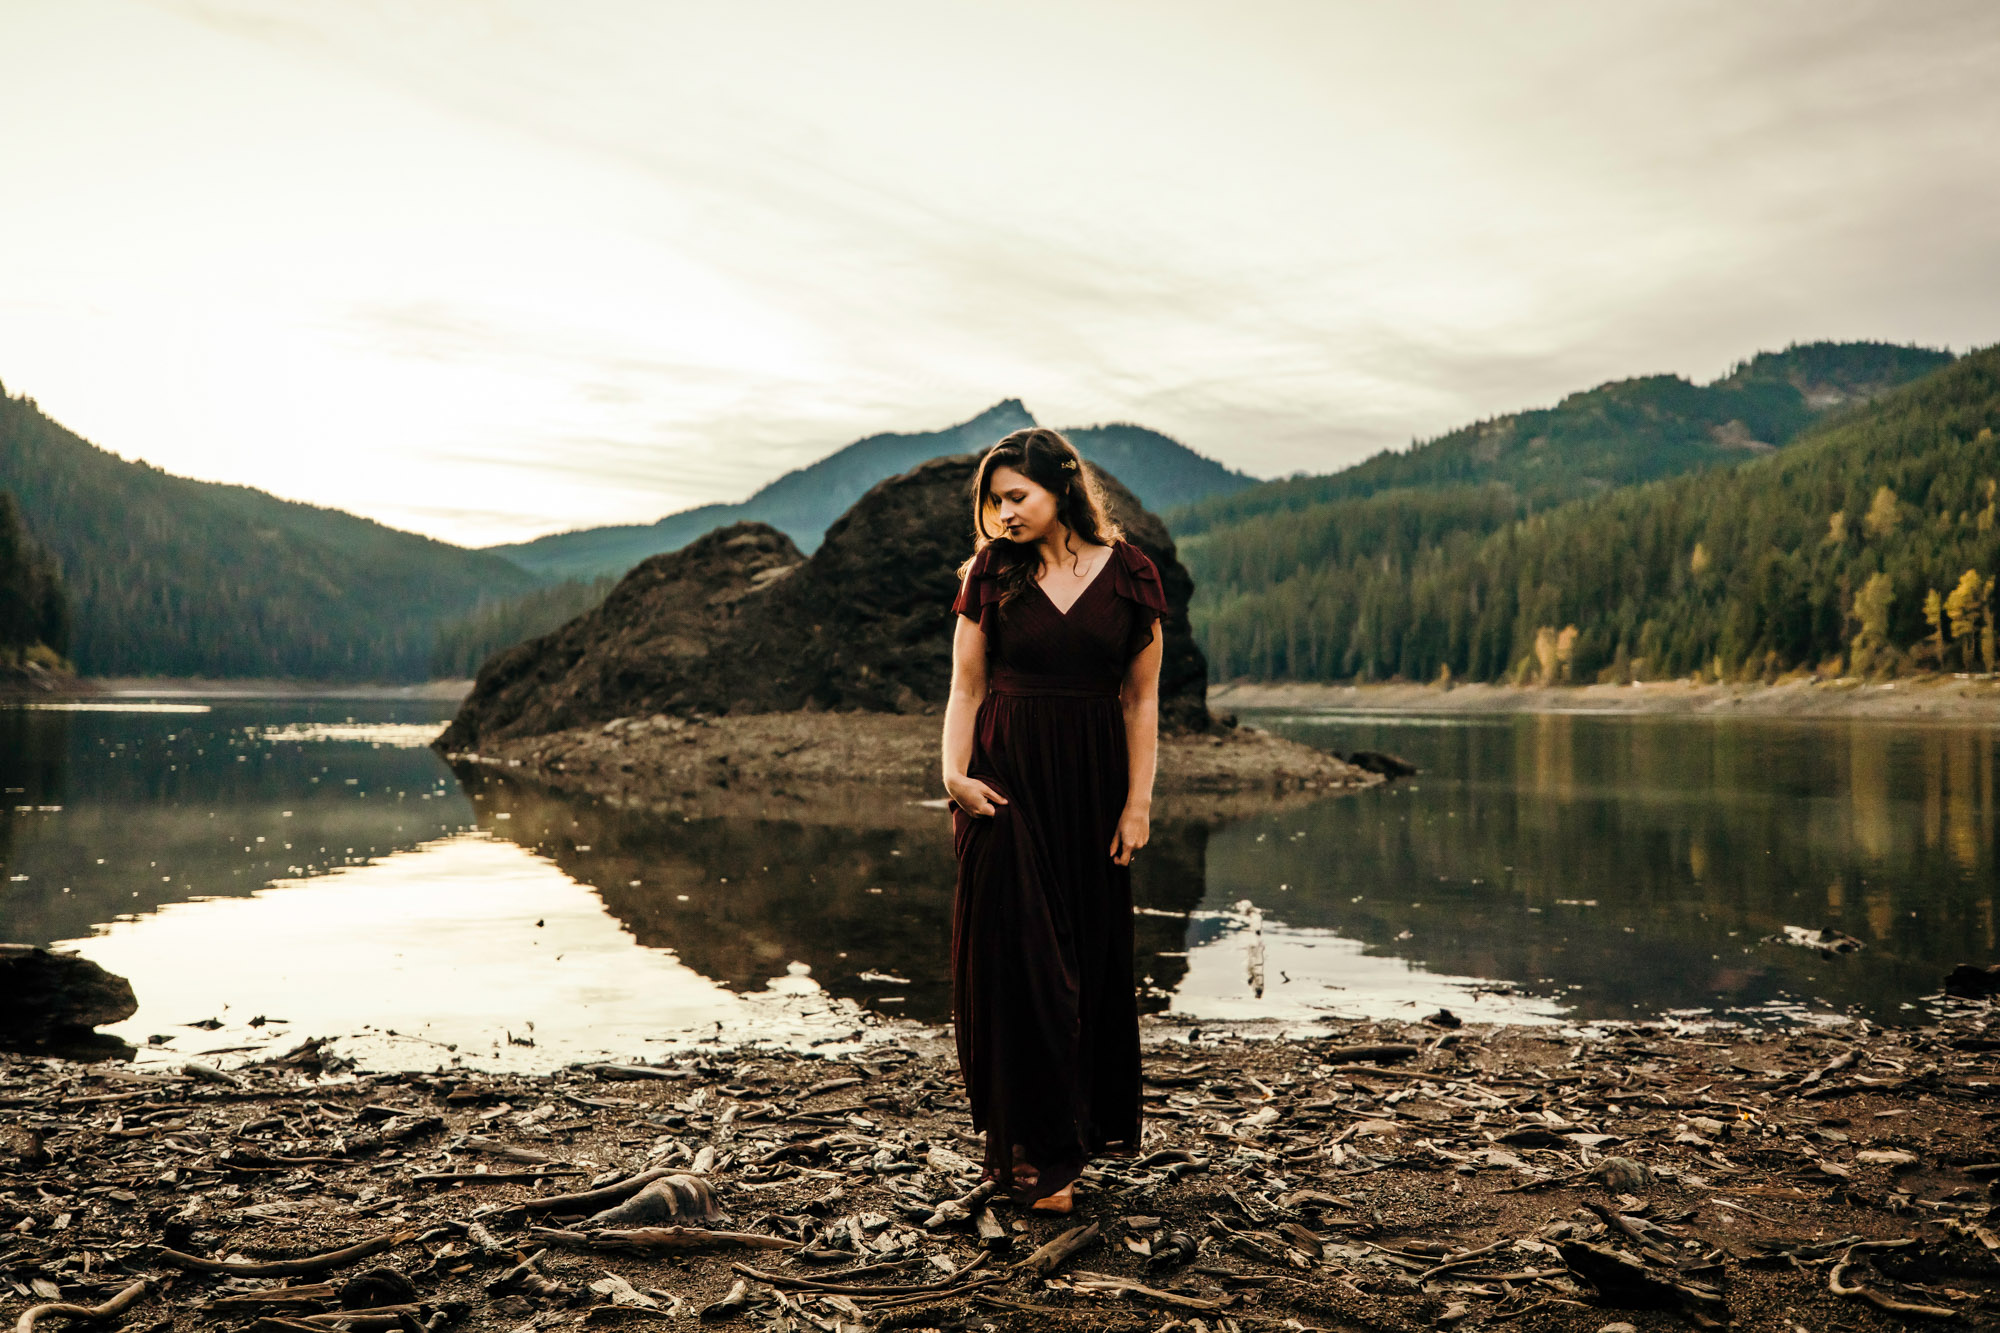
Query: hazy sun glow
x=490 y=271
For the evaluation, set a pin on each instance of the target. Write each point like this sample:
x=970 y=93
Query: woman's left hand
x=1133 y=826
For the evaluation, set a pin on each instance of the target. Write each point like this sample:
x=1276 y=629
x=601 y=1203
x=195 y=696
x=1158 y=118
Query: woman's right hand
x=972 y=795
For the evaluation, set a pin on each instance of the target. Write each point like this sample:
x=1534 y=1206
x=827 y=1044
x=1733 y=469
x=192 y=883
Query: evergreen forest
x=34 y=614
x=167 y=576
x=1868 y=543
x=465 y=642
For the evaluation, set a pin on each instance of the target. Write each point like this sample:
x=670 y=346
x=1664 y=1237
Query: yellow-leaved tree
x=1871 y=614
x=1969 y=609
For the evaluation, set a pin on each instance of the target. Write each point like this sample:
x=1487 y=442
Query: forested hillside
x=34 y=615
x=1614 y=435
x=465 y=642
x=803 y=502
x=170 y=576
x=1869 y=544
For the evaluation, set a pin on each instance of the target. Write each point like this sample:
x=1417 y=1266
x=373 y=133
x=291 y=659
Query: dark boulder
x=1973 y=982
x=1376 y=761
x=46 y=995
x=739 y=621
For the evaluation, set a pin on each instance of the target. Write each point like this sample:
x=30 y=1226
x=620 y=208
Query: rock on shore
x=797 y=764
x=739 y=622
x=50 y=995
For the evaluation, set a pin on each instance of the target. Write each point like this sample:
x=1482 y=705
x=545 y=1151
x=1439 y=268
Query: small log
x=309 y=1264
x=1112 y=1285
x=1060 y=1250
x=492 y=1177
x=115 y=1306
x=379 y=1316
x=590 y=1201
x=498 y=1148
x=629 y=1073
x=1887 y=1304
x=859 y=1289
x=654 y=1240
x=958 y=1210
x=312 y=1293
x=527 y=1277
x=1378 y=1052
x=675 y=1200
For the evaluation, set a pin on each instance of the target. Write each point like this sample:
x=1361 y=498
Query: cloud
x=569 y=265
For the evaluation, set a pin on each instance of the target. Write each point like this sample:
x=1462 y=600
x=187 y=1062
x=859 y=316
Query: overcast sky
x=488 y=270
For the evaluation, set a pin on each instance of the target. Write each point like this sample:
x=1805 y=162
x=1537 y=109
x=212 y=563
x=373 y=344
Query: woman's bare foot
x=1059 y=1202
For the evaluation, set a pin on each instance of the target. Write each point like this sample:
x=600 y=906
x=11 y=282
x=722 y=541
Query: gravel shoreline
x=829 y=766
x=1925 y=699
x=1388 y=1176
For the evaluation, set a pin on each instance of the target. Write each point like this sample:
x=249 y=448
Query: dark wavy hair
x=1047 y=458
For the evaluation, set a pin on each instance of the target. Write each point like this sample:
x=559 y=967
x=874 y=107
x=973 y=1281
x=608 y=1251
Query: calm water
x=310 y=868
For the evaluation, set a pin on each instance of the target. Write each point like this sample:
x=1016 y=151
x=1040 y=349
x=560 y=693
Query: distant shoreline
x=148 y=687
x=1935 y=698
x=1924 y=698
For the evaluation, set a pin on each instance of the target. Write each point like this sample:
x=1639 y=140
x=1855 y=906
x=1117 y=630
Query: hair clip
x=1070 y=463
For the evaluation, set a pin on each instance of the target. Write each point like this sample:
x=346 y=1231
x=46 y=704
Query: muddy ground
x=784 y=763
x=1389 y=1177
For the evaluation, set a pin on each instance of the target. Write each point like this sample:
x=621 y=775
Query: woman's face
x=1024 y=510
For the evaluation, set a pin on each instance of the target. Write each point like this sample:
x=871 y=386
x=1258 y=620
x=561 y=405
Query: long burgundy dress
x=1043 y=1005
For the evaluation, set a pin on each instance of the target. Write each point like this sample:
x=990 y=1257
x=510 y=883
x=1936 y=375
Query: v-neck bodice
x=1107 y=624
x=1109 y=555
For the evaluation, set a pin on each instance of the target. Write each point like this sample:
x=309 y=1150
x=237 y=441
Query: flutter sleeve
x=979 y=595
x=1137 y=579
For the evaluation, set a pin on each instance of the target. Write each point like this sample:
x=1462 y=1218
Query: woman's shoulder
x=1129 y=554
x=1137 y=577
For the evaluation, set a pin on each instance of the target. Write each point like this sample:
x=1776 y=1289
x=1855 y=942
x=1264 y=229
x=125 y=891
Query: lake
x=269 y=870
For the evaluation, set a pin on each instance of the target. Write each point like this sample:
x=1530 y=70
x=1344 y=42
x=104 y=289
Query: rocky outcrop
x=51 y=995
x=740 y=622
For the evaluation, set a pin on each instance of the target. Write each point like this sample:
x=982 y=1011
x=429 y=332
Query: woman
x=1050 y=737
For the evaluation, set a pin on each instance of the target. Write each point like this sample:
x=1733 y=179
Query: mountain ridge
x=1869 y=544
x=1617 y=433
x=170 y=576
x=805 y=501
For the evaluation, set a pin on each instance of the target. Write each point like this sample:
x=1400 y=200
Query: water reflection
x=120 y=811
x=1540 y=867
x=868 y=909
x=465 y=949
x=1690 y=839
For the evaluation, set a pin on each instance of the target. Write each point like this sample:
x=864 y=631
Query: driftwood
x=312 y=1263
x=1110 y=1284
x=116 y=1305
x=1060 y=1250
x=675 y=1199
x=633 y=1073
x=1876 y=1298
x=590 y=1201
x=860 y=1289
x=960 y=1209
x=1866 y=1129
x=312 y=1293
x=1381 y=1051
x=657 y=1240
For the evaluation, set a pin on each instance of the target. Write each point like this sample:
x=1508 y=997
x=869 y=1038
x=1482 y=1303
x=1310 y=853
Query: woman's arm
x=1139 y=696
x=961 y=710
